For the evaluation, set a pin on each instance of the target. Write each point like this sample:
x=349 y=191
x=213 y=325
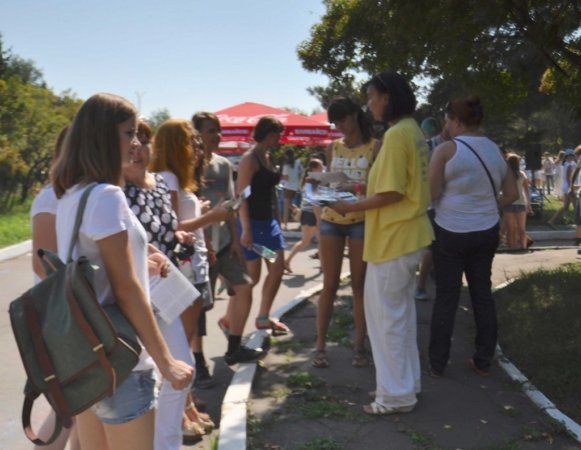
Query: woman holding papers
x=149 y=198
x=352 y=156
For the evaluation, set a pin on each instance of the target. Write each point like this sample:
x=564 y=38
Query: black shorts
x=308 y=218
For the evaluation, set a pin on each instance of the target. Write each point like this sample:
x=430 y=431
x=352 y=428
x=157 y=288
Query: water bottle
x=265 y=252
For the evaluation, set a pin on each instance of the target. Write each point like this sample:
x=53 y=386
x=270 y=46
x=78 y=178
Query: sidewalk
x=459 y=411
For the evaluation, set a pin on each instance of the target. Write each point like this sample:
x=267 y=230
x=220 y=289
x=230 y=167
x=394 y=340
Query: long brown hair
x=91 y=149
x=174 y=152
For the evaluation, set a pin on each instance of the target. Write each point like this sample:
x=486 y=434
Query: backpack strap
x=30 y=397
x=79 y=220
x=50 y=378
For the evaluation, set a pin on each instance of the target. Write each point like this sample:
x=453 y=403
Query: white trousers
x=171 y=403
x=390 y=313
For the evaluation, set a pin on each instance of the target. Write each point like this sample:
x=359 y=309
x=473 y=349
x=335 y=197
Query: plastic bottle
x=265 y=252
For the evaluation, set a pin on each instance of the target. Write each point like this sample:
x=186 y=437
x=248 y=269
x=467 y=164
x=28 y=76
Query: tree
x=500 y=48
x=31 y=116
x=158 y=117
x=344 y=87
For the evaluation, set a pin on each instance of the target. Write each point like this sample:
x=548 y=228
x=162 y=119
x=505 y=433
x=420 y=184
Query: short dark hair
x=341 y=107
x=401 y=98
x=468 y=110
x=266 y=125
x=199 y=118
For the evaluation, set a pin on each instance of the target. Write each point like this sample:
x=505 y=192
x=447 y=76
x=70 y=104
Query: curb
x=234 y=413
x=530 y=390
x=552 y=235
x=24 y=247
x=15 y=250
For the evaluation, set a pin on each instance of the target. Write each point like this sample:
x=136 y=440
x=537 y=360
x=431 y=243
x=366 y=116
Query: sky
x=183 y=55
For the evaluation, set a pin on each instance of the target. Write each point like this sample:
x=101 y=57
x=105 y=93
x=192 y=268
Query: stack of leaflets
x=328 y=197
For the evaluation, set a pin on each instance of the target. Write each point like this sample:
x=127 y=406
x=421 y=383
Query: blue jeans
x=454 y=254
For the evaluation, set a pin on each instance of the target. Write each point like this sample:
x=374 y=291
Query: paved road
x=15 y=278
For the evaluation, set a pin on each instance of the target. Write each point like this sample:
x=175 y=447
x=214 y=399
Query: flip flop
x=360 y=359
x=320 y=360
x=276 y=326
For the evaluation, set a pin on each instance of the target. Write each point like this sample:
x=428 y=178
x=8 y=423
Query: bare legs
x=239 y=308
x=134 y=435
x=567 y=200
x=516 y=229
x=306 y=237
x=331 y=249
x=271 y=282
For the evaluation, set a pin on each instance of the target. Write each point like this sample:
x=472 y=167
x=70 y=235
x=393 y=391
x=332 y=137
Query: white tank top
x=467 y=202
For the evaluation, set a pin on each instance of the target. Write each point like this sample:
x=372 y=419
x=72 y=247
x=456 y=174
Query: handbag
x=74 y=350
x=485 y=169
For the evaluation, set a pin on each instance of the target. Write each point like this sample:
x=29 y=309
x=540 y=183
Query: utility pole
x=139 y=96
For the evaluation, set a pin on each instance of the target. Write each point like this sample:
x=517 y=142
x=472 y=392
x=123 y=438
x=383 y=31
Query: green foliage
x=499 y=49
x=31 y=116
x=158 y=117
x=15 y=227
x=304 y=380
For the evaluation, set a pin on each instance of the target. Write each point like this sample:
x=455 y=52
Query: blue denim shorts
x=354 y=231
x=134 y=398
x=264 y=232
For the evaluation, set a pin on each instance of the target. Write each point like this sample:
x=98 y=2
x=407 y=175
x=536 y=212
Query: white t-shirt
x=45 y=202
x=294 y=176
x=189 y=207
x=106 y=214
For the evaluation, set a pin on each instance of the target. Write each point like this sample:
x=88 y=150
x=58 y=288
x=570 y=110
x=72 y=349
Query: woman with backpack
x=101 y=139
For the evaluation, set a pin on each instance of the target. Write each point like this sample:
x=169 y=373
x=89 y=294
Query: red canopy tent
x=333 y=132
x=238 y=121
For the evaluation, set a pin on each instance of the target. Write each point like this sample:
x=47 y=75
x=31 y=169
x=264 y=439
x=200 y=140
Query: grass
x=304 y=380
x=421 y=440
x=342 y=321
x=15 y=225
x=551 y=206
x=539 y=322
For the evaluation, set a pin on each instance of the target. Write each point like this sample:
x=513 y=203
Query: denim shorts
x=264 y=232
x=308 y=218
x=353 y=231
x=133 y=399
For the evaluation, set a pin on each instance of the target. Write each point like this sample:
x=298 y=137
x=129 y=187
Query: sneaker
x=421 y=295
x=243 y=354
x=203 y=378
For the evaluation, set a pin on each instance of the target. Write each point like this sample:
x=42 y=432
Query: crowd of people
x=165 y=200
